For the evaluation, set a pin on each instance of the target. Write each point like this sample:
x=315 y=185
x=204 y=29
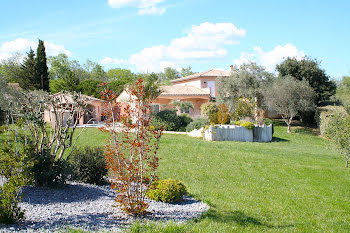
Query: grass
x=296 y=183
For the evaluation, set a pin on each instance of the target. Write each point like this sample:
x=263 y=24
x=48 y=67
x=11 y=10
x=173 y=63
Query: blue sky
x=148 y=35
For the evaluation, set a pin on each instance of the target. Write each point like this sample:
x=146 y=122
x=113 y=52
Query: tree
x=343 y=93
x=309 y=69
x=10 y=69
x=246 y=82
x=169 y=74
x=98 y=73
x=151 y=84
x=182 y=106
x=186 y=71
x=29 y=75
x=41 y=67
x=90 y=87
x=131 y=155
x=288 y=96
x=119 y=78
x=69 y=82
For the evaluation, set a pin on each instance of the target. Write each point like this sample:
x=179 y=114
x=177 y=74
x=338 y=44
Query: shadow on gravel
x=67 y=194
x=90 y=222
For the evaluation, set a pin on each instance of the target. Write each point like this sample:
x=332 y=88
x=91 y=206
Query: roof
x=68 y=97
x=208 y=73
x=184 y=91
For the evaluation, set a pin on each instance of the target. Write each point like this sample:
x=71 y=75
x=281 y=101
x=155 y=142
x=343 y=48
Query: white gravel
x=90 y=207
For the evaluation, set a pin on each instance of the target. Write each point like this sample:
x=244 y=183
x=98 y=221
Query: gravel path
x=90 y=207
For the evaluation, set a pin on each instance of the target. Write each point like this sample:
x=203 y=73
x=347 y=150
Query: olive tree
x=288 y=96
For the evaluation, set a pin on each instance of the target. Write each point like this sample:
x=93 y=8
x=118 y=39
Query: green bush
x=185 y=120
x=89 y=165
x=47 y=173
x=245 y=124
x=14 y=169
x=267 y=121
x=171 y=121
x=167 y=191
x=243 y=109
x=213 y=118
x=323 y=116
x=208 y=108
x=197 y=124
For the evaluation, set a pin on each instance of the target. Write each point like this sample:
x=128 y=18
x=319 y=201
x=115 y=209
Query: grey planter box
x=238 y=133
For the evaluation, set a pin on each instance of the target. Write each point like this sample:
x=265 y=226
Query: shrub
x=89 y=165
x=167 y=191
x=248 y=125
x=208 y=108
x=185 y=120
x=245 y=124
x=13 y=172
x=267 y=121
x=243 y=109
x=213 y=118
x=168 y=118
x=171 y=121
x=197 y=124
x=323 y=116
x=223 y=114
x=48 y=173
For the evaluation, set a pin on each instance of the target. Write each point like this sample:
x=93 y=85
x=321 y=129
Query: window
x=155 y=108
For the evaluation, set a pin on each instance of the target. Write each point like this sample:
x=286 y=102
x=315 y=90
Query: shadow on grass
x=240 y=218
x=307 y=131
x=276 y=139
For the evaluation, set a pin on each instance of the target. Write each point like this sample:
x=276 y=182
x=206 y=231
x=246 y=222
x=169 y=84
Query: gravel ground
x=90 y=207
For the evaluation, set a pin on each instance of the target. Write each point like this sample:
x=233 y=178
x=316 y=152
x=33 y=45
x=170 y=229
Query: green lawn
x=297 y=183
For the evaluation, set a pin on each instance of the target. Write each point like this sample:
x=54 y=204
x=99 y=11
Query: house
x=198 y=88
x=94 y=106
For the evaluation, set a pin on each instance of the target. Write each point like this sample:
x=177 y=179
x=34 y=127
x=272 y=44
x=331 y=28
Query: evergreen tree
x=41 y=67
x=28 y=74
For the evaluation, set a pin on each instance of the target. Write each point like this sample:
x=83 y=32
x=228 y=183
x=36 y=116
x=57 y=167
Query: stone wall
x=238 y=133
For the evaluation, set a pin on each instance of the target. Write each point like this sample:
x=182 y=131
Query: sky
x=149 y=35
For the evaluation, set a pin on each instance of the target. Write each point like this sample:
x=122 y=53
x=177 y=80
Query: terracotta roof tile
x=184 y=90
x=208 y=73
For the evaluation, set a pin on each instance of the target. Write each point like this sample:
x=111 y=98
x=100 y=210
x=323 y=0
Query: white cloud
x=108 y=60
x=21 y=45
x=271 y=58
x=146 y=7
x=205 y=41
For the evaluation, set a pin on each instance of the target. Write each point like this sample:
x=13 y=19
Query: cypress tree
x=28 y=72
x=41 y=67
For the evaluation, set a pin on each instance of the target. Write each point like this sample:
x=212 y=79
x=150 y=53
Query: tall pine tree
x=28 y=72
x=41 y=67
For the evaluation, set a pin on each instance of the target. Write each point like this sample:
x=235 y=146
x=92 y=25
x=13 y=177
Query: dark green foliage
x=167 y=191
x=267 y=121
x=186 y=71
x=197 y=124
x=14 y=168
x=50 y=173
x=170 y=120
x=309 y=69
x=185 y=119
x=89 y=165
x=169 y=74
x=41 y=67
x=90 y=87
x=69 y=82
x=28 y=75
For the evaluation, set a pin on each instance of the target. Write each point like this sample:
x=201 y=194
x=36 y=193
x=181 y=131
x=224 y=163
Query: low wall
x=238 y=133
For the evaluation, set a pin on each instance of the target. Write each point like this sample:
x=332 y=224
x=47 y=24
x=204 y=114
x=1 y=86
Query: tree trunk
x=346 y=162
x=288 y=128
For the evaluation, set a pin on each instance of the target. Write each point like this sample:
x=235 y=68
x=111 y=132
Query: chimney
x=231 y=68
